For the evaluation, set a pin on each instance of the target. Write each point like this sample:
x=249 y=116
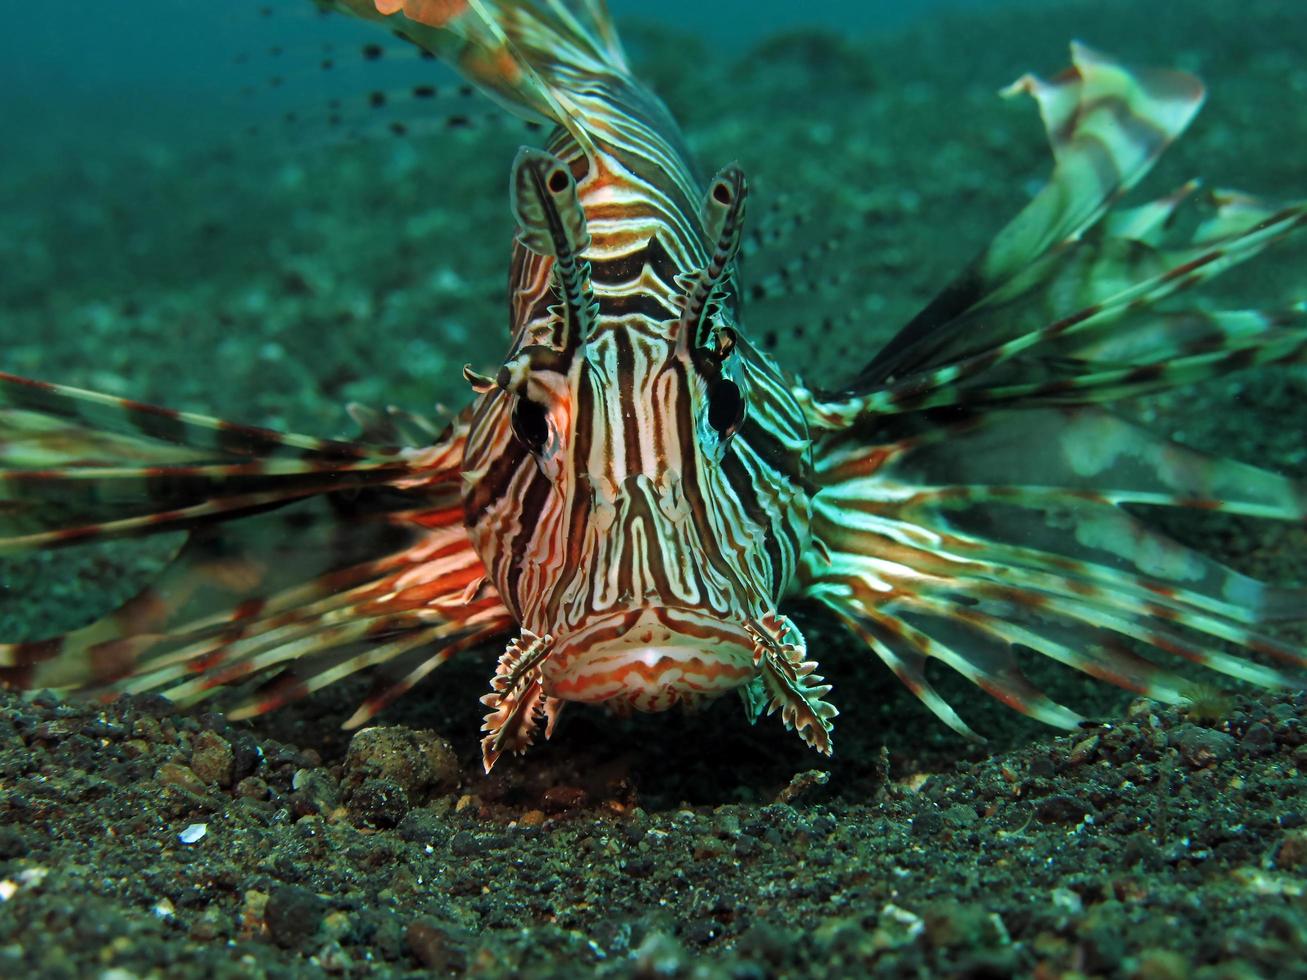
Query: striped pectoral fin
x=1107 y=126
x=72 y=505
x=76 y=465
x=306 y=596
x=1077 y=295
x=1090 y=304
x=105 y=415
x=1072 y=275
x=961 y=544
x=344 y=555
x=979 y=479
x=1109 y=282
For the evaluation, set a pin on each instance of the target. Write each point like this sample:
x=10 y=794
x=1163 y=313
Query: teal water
x=169 y=66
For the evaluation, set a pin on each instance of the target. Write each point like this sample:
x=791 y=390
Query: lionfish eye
x=725 y=407
x=530 y=424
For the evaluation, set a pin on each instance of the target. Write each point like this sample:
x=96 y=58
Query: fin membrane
x=961 y=540
x=1060 y=308
x=346 y=556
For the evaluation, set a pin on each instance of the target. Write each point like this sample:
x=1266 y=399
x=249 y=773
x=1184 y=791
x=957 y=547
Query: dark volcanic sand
x=274 y=283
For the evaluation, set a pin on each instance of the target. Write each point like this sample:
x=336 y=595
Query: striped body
x=636 y=491
x=639 y=538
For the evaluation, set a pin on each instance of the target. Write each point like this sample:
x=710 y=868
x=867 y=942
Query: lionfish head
x=635 y=474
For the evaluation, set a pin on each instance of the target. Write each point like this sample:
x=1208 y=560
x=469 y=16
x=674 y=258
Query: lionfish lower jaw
x=789 y=682
x=642 y=661
x=647 y=659
x=651 y=658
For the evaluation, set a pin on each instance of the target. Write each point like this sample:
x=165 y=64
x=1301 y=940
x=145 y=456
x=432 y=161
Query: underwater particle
x=194 y=833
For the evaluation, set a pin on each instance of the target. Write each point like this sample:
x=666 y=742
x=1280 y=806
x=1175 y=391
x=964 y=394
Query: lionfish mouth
x=650 y=659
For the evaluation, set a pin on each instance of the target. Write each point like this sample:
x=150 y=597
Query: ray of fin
x=973 y=502
x=76 y=466
x=1069 y=284
x=346 y=556
x=515 y=52
x=952 y=540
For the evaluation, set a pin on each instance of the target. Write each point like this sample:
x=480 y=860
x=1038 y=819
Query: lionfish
x=630 y=498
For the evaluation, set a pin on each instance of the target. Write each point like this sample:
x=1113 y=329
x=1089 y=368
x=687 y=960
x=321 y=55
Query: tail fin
x=345 y=554
x=528 y=54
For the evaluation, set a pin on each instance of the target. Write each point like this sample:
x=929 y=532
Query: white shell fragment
x=193 y=833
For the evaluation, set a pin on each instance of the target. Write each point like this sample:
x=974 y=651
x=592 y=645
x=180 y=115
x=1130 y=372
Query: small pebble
x=1202 y=747
x=379 y=803
x=1063 y=809
x=294 y=916
x=182 y=777
x=212 y=759
x=418 y=763
x=434 y=946
x=1291 y=854
x=252 y=788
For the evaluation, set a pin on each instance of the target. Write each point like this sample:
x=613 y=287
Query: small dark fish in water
x=635 y=493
